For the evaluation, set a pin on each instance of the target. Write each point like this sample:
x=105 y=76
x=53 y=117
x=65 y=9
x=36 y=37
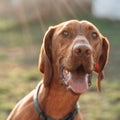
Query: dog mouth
x=78 y=81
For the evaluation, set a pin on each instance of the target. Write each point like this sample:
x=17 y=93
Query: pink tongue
x=78 y=85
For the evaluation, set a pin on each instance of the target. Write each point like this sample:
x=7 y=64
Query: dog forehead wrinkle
x=81 y=38
x=60 y=29
x=89 y=25
x=71 y=24
x=86 y=22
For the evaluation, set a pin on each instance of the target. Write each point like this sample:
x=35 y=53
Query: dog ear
x=45 y=57
x=103 y=59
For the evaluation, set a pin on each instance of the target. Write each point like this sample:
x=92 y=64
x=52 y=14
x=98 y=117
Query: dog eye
x=94 y=35
x=65 y=33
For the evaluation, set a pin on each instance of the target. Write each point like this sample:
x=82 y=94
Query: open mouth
x=77 y=80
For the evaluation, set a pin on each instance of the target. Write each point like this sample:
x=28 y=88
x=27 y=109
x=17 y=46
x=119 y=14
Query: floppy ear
x=45 y=58
x=99 y=66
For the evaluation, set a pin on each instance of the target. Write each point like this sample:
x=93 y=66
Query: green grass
x=104 y=106
x=19 y=50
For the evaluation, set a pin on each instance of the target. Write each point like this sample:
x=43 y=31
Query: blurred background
x=22 y=26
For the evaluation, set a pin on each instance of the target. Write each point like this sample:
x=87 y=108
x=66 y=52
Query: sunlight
x=38 y=17
x=68 y=7
x=58 y=10
x=24 y=22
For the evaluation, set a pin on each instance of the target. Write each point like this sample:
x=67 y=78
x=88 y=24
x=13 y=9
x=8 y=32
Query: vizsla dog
x=70 y=53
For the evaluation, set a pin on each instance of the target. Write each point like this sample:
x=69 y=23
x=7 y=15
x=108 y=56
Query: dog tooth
x=69 y=87
x=66 y=71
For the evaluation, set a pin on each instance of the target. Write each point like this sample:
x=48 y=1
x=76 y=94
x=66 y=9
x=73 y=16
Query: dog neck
x=55 y=100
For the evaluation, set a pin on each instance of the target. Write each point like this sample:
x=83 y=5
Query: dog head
x=72 y=51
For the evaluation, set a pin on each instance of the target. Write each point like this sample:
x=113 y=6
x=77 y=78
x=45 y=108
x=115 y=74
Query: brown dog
x=70 y=52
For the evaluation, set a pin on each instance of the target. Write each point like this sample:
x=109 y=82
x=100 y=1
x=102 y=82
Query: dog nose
x=82 y=50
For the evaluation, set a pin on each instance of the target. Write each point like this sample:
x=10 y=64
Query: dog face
x=73 y=50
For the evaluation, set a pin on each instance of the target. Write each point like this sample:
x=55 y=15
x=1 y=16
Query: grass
x=104 y=106
x=19 y=50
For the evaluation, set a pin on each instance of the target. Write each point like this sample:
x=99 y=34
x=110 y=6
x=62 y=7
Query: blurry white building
x=109 y=9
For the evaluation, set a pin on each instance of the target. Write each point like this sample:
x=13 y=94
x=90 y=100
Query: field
x=19 y=51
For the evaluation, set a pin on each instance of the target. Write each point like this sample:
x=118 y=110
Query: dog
x=71 y=51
